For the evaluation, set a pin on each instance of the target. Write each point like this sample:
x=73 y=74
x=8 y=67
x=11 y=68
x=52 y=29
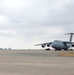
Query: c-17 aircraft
x=59 y=45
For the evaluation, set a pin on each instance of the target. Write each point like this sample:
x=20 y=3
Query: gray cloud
x=35 y=21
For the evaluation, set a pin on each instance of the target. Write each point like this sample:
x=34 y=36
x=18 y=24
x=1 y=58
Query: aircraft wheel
x=57 y=49
x=47 y=49
x=66 y=49
x=71 y=49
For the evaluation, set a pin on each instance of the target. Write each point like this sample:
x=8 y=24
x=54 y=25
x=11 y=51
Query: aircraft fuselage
x=60 y=45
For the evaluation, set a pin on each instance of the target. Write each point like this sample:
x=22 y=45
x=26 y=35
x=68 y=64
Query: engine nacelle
x=42 y=46
x=48 y=45
x=72 y=45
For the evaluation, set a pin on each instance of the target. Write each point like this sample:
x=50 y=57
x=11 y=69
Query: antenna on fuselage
x=71 y=35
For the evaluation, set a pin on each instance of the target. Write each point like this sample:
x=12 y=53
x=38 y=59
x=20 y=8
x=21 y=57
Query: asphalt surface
x=35 y=62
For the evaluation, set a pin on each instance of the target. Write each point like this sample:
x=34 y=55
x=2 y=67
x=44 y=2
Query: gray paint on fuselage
x=60 y=45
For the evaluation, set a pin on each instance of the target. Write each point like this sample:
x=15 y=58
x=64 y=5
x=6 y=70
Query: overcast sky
x=24 y=23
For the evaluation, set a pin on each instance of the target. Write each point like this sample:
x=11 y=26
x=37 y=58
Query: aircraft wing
x=44 y=44
x=73 y=44
x=69 y=43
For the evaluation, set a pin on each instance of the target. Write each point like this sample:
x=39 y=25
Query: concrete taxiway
x=35 y=62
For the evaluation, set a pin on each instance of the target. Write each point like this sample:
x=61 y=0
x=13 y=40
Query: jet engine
x=72 y=45
x=43 y=45
x=48 y=45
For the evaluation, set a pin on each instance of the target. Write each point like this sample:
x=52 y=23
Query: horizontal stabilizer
x=69 y=33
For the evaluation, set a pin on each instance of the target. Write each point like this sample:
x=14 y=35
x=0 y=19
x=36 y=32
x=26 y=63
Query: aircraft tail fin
x=71 y=35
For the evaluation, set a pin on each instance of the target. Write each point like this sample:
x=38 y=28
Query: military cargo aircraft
x=59 y=45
